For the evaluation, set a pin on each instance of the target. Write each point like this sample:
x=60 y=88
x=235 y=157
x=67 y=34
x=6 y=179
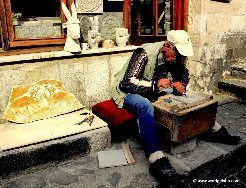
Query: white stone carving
x=85 y=46
x=122 y=36
x=94 y=23
x=94 y=37
x=89 y=6
x=73 y=29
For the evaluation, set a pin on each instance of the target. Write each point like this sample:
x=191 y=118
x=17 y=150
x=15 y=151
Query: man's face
x=171 y=54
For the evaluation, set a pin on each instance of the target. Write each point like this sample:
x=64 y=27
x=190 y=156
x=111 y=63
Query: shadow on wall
x=223 y=1
x=235 y=46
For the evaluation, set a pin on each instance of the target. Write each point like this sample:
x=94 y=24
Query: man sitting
x=141 y=81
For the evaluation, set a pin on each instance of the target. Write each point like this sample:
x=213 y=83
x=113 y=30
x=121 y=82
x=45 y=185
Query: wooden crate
x=185 y=116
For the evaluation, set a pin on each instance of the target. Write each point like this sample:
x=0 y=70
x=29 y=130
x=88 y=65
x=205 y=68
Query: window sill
x=11 y=59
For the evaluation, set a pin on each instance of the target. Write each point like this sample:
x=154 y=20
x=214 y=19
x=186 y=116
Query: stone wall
x=218 y=32
x=88 y=78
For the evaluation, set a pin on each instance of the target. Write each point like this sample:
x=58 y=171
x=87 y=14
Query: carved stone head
x=122 y=36
x=94 y=37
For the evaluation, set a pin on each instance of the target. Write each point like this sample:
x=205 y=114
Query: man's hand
x=163 y=83
x=178 y=86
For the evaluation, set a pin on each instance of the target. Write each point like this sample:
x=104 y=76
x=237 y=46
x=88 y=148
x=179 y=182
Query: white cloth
x=216 y=127
x=155 y=156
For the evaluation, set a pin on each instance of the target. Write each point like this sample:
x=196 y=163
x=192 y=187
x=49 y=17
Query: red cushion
x=110 y=113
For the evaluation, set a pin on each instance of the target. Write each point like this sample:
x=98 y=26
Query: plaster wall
x=88 y=78
x=218 y=33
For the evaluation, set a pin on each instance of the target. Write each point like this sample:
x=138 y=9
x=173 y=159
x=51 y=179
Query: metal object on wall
x=89 y=6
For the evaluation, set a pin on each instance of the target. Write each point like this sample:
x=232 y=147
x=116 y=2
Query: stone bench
x=25 y=145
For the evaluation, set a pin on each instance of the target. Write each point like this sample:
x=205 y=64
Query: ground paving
x=217 y=163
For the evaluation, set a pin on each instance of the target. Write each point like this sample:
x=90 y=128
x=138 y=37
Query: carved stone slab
x=108 y=23
x=40 y=100
x=89 y=6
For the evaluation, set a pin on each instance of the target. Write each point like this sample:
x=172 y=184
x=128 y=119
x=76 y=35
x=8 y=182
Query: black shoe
x=162 y=170
x=220 y=136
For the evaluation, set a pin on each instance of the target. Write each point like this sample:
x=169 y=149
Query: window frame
x=8 y=38
x=180 y=21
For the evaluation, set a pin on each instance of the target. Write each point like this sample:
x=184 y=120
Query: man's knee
x=146 y=106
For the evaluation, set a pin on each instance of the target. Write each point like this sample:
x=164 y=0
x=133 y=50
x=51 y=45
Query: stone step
x=239 y=71
x=27 y=145
x=234 y=86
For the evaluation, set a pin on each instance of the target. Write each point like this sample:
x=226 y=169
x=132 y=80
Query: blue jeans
x=144 y=111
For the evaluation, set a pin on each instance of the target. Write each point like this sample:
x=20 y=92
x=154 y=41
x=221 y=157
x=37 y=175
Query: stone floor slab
x=225 y=116
x=239 y=108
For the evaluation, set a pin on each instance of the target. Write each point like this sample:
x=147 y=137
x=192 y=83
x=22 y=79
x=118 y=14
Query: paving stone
x=134 y=143
x=226 y=117
x=203 y=153
x=178 y=164
x=114 y=178
x=184 y=147
x=102 y=186
x=82 y=162
x=89 y=181
x=62 y=178
x=235 y=106
x=79 y=171
x=31 y=182
x=225 y=148
x=142 y=180
x=11 y=184
x=233 y=115
x=239 y=125
x=88 y=162
x=233 y=130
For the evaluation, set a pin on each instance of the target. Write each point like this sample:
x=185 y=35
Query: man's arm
x=160 y=75
x=133 y=79
x=180 y=78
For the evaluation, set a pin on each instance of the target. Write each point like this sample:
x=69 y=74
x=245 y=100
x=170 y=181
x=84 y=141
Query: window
x=27 y=23
x=31 y=23
x=150 y=20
